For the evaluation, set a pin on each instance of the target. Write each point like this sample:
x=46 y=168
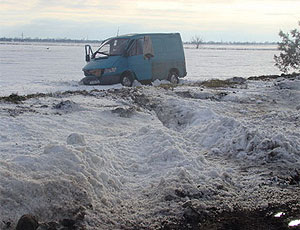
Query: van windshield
x=112 y=47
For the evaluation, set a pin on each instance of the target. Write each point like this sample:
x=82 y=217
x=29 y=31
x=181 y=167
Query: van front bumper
x=103 y=80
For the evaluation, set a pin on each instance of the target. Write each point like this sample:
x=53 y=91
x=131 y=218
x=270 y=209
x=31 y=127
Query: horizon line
x=37 y=39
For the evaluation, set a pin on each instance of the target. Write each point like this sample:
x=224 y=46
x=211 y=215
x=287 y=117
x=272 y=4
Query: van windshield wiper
x=99 y=52
x=102 y=53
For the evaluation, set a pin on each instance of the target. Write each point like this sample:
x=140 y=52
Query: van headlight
x=94 y=72
x=110 y=70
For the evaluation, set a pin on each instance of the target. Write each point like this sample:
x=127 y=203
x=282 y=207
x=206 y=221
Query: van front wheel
x=127 y=79
x=173 y=78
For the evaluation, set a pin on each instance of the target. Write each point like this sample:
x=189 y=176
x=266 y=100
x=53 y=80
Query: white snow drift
x=137 y=156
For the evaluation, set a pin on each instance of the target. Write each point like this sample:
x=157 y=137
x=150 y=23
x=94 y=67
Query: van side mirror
x=87 y=58
x=148 y=51
x=88 y=51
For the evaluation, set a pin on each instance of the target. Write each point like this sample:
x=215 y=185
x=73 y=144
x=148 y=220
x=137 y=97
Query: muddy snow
x=134 y=158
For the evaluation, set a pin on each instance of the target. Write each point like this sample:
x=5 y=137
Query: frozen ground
x=135 y=158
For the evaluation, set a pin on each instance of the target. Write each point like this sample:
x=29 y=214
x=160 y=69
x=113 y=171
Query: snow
x=27 y=68
x=141 y=155
x=294 y=223
x=122 y=161
x=279 y=214
x=76 y=139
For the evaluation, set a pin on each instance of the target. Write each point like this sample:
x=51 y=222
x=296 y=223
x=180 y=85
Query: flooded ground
x=42 y=68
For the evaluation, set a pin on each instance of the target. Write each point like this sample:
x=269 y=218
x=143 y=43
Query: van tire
x=127 y=79
x=173 y=77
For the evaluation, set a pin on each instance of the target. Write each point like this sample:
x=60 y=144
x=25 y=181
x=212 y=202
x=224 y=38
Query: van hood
x=101 y=63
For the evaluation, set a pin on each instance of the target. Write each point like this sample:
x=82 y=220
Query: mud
x=272 y=77
x=239 y=219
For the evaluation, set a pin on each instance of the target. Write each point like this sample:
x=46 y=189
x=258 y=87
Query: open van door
x=148 y=48
x=140 y=56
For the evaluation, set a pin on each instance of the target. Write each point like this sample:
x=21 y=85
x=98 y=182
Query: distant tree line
x=228 y=43
x=195 y=41
x=58 y=40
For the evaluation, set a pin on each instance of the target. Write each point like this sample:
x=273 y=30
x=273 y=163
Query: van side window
x=132 y=50
x=137 y=48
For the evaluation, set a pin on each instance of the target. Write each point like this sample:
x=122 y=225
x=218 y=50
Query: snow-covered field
x=133 y=158
x=34 y=68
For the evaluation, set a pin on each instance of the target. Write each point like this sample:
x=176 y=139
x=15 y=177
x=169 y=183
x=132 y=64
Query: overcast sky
x=216 y=20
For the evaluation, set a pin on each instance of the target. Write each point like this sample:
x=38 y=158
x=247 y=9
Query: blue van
x=141 y=57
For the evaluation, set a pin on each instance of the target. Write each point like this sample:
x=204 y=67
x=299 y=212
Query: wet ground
x=275 y=217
